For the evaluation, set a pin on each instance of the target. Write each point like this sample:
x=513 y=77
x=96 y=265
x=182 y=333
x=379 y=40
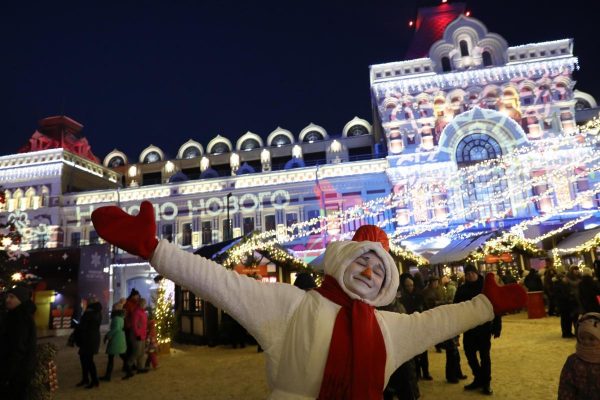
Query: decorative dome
x=115 y=159
x=357 y=127
x=280 y=137
x=190 y=149
x=313 y=133
x=151 y=154
x=249 y=141
x=219 y=145
x=583 y=100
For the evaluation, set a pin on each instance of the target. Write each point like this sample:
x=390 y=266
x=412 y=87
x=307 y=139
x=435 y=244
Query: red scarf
x=355 y=367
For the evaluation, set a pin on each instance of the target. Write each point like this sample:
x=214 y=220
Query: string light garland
x=240 y=252
x=405 y=256
x=582 y=248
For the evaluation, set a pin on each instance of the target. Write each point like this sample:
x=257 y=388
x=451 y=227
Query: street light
x=228 y=220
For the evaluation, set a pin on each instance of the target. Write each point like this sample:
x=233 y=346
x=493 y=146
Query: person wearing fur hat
x=580 y=376
x=329 y=342
x=17 y=345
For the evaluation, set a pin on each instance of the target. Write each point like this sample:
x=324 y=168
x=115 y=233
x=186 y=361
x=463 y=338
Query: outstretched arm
x=415 y=333
x=419 y=331
x=260 y=308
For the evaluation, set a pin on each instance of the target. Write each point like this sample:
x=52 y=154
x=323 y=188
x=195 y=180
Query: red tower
x=60 y=132
x=430 y=25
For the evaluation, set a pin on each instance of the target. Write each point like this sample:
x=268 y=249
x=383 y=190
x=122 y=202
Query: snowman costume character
x=327 y=343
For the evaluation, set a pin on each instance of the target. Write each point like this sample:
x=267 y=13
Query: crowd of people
x=568 y=294
x=414 y=295
x=573 y=295
x=131 y=337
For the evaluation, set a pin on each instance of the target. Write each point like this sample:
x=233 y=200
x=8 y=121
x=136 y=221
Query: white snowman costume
x=294 y=327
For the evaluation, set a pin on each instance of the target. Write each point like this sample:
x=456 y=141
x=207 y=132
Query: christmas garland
x=273 y=252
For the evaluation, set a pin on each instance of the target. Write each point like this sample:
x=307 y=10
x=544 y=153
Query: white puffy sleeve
x=412 y=334
x=262 y=308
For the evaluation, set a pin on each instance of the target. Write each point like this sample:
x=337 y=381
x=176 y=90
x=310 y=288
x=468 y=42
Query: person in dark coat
x=403 y=383
x=478 y=339
x=597 y=268
x=589 y=292
x=17 y=345
x=533 y=281
x=549 y=278
x=567 y=306
x=87 y=338
x=305 y=281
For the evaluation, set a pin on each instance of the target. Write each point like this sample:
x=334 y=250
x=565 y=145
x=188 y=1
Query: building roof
x=430 y=26
x=576 y=239
x=458 y=250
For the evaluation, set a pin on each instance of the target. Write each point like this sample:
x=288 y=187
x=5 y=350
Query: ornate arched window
x=151 y=157
x=280 y=140
x=582 y=104
x=17 y=199
x=482 y=194
x=476 y=148
x=30 y=200
x=220 y=148
x=487 y=58
x=464 y=48
x=191 y=152
x=357 y=130
x=45 y=196
x=313 y=136
x=446 y=67
x=250 y=144
x=116 y=161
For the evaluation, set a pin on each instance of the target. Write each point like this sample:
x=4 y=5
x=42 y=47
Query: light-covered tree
x=164 y=313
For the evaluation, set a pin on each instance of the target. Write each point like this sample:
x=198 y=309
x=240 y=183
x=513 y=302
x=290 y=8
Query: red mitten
x=134 y=234
x=504 y=298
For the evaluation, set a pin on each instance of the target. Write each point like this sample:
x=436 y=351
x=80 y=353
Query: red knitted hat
x=372 y=233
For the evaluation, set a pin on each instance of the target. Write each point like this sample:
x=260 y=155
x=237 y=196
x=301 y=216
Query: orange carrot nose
x=367 y=272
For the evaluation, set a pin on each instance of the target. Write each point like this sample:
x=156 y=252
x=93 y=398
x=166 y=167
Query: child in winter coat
x=117 y=345
x=580 y=376
x=152 y=345
x=327 y=343
x=140 y=331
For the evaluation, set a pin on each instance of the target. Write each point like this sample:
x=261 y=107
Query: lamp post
x=228 y=220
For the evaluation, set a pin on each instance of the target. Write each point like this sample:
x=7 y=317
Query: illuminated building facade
x=470 y=136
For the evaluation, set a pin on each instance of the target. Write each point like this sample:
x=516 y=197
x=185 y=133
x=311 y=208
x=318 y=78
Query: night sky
x=138 y=73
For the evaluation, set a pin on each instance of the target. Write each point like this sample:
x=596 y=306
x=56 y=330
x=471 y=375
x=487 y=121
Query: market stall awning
x=458 y=249
x=576 y=239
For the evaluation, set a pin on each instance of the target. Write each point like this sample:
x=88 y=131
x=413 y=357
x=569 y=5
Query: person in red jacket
x=129 y=307
x=139 y=328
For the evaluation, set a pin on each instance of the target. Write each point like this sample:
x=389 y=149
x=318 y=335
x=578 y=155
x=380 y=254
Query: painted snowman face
x=365 y=276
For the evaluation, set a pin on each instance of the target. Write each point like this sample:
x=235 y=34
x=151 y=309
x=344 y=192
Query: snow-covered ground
x=526 y=364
